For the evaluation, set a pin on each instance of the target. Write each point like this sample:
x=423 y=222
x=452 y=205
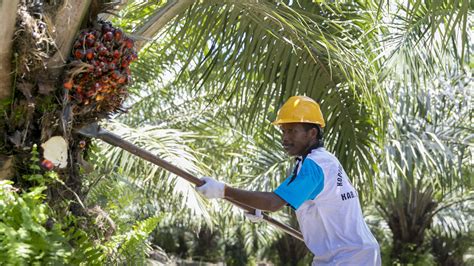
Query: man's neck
x=311 y=146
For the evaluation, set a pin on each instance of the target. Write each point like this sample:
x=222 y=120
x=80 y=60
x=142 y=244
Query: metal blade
x=91 y=130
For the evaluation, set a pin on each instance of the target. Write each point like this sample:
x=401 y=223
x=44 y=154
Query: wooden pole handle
x=115 y=140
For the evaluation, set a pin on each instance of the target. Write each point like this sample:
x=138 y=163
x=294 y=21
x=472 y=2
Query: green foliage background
x=395 y=83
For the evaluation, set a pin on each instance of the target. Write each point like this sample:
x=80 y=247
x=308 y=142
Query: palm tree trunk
x=7 y=22
x=67 y=19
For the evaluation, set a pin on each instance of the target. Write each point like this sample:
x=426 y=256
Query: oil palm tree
x=425 y=171
x=427 y=150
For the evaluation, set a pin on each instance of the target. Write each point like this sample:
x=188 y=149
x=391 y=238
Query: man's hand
x=212 y=189
x=254 y=218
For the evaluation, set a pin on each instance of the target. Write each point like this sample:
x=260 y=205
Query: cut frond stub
x=55 y=150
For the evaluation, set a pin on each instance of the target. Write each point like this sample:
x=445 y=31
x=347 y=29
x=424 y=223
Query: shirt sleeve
x=306 y=186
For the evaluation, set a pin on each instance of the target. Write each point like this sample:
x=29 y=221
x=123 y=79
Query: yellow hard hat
x=300 y=109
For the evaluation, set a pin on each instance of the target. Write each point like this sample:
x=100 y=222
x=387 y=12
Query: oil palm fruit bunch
x=98 y=71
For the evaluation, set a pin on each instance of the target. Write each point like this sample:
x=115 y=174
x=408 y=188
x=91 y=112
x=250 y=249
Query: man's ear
x=314 y=132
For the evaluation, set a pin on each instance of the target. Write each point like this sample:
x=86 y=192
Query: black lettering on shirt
x=339 y=176
x=348 y=195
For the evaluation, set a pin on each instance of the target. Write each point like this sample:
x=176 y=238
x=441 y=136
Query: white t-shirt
x=329 y=213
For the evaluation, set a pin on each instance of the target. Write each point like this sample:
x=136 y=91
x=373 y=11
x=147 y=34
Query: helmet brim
x=286 y=121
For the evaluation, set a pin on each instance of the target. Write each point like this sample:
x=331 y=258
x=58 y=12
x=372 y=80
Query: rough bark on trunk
x=66 y=24
x=7 y=27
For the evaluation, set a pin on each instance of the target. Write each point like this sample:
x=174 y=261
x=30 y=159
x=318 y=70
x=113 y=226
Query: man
x=326 y=203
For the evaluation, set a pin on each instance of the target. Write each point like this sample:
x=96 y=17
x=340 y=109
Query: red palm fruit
x=79 y=89
x=90 y=54
x=118 y=35
x=112 y=66
x=129 y=43
x=79 y=54
x=108 y=36
x=116 y=54
x=122 y=79
x=47 y=164
x=90 y=41
x=68 y=85
x=90 y=93
x=102 y=50
x=116 y=74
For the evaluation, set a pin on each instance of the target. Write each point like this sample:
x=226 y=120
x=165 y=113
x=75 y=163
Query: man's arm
x=265 y=201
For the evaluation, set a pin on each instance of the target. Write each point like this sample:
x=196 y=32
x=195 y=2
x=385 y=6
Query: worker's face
x=296 y=139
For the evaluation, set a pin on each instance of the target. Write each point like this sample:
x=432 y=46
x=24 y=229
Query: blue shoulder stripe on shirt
x=306 y=186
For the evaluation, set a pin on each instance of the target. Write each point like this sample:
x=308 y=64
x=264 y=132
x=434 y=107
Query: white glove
x=212 y=189
x=254 y=218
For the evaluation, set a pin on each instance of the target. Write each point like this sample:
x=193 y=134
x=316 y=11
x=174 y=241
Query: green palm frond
x=284 y=50
x=249 y=57
x=135 y=13
x=424 y=39
x=451 y=19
